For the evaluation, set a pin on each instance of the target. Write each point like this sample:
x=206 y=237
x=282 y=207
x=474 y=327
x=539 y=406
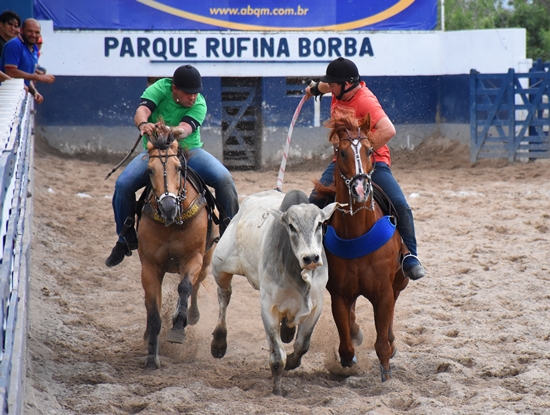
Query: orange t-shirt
x=365 y=102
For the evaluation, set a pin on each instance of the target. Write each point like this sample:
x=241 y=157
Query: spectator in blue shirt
x=9 y=27
x=20 y=58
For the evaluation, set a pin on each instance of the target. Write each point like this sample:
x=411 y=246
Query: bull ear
x=328 y=210
x=277 y=214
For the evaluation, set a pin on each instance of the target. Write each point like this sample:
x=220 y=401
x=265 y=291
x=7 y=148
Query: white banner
x=258 y=54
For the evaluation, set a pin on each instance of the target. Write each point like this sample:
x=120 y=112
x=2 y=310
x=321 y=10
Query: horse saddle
x=384 y=202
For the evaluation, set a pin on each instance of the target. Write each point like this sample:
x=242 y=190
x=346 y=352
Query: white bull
x=276 y=242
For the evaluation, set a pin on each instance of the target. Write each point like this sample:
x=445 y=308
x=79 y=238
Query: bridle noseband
x=182 y=194
x=360 y=174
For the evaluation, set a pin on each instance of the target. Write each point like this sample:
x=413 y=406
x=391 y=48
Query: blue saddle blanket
x=375 y=238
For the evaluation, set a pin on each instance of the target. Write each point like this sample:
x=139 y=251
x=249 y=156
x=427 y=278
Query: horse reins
x=360 y=174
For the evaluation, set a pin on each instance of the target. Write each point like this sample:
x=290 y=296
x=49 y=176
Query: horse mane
x=343 y=120
x=163 y=137
x=328 y=192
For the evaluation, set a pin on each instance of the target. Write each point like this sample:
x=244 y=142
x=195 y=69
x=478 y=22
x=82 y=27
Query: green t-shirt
x=172 y=113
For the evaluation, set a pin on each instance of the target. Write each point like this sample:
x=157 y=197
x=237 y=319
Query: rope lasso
x=287 y=146
x=124 y=159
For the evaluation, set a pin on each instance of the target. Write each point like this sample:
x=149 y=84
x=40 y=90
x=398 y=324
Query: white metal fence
x=16 y=123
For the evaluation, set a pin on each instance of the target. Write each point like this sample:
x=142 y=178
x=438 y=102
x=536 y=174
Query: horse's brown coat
x=376 y=276
x=177 y=248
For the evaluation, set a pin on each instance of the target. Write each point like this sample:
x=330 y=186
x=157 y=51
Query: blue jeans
x=383 y=177
x=135 y=176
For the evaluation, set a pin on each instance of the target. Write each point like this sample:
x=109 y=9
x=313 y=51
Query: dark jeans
x=383 y=177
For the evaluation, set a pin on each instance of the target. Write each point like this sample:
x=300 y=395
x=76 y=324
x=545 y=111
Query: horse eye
x=319 y=227
x=292 y=228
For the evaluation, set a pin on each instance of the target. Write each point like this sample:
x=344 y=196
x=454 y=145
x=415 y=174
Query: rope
x=124 y=159
x=287 y=146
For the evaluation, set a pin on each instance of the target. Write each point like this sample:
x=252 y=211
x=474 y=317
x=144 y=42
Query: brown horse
x=175 y=236
x=362 y=245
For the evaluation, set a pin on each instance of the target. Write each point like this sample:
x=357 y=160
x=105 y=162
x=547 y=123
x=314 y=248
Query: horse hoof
x=394 y=352
x=218 y=347
x=358 y=338
x=175 y=336
x=152 y=363
x=193 y=317
x=385 y=374
x=351 y=363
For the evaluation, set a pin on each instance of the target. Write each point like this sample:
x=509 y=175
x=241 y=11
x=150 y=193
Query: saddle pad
x=375 y=238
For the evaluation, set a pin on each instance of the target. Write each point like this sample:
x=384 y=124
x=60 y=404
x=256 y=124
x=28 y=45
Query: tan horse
x=362 y=245
x=175 y=236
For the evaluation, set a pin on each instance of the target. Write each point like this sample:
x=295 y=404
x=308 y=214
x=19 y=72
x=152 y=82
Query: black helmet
x=187 y=79
x=341 y=70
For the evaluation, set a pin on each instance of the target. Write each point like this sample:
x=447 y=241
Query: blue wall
x=24 y=8
x=105 y=101
x=111 y=101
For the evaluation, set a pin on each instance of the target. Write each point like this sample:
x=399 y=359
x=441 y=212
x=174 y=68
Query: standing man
x=179 y=103
x=348 y=91
x=9 y=27
x=20 y=58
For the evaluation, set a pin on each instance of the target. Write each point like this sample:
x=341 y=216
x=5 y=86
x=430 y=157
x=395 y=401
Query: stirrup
x=126 y=227
x=407 y=255
x=419 y=268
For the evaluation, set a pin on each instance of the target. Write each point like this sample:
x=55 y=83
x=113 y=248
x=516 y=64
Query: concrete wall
x=421 y=80
x=93 y=115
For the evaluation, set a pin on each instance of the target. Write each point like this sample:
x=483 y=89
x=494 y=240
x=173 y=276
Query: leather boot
x=412 y=268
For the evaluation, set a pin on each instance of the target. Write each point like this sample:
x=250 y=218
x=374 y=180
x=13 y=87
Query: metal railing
x=16 y=123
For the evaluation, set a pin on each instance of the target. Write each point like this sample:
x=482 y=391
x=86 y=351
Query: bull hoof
x=175 y=336
x=292 y=361
x=218 y=347
x=287 y=333
x=277 y=390
x=152 y=363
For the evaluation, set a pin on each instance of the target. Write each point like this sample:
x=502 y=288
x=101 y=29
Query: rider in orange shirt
x=348 y=91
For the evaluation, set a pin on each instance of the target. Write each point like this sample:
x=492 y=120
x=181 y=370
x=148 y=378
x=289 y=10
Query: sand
x=473 y=335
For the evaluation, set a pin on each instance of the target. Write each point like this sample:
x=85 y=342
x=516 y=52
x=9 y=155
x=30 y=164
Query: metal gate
x=241 y=122
x=509 y=115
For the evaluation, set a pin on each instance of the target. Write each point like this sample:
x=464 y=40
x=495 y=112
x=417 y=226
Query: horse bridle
x=360 y=174
x=182 y=195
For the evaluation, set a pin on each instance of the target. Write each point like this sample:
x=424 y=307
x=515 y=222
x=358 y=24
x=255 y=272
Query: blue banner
x=250 y=15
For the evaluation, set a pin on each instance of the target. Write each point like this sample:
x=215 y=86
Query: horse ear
x=174 y=143
x=150 y=145
x=365 y=125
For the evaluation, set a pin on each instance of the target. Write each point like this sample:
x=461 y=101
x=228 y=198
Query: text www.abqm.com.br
x=256 y=11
